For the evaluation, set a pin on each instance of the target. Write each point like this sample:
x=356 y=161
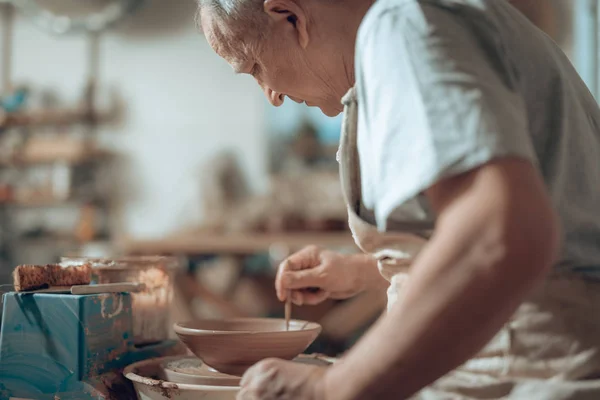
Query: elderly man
x=470 y=163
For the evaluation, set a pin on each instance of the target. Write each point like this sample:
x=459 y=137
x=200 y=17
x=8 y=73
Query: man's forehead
x=225 y=42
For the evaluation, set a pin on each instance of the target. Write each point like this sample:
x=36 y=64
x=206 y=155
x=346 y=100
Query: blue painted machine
x=62 y=346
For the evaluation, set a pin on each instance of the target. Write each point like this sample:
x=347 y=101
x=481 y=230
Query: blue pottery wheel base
x=70 y=346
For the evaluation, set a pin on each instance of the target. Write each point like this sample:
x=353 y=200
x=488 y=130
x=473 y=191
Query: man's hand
x=314 y=275
x=274 y=379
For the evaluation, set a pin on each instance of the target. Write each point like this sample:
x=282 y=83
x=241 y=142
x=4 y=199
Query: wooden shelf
x=75 y=159
x=236 y=244
x=50 y=240
x=40 y=203
x=51 y=117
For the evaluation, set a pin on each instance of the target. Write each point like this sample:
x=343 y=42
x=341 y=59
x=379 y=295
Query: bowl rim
x=181 y=330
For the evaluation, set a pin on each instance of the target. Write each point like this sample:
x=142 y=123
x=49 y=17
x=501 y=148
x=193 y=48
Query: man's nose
x=274 y=98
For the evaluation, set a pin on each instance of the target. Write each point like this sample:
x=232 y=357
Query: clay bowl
x=231 y=346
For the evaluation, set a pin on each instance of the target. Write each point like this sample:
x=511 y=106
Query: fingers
x=310 y=298
x=305 y=259
x=308 y=257
x=307 y=280
x=314 y=298
x=297 y=297
x=260 y=373
x=259 y=382
x=274 y=379
x=302 y=279
x=279 y=287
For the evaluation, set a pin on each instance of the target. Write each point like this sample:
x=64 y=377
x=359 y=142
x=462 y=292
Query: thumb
x=312 y=299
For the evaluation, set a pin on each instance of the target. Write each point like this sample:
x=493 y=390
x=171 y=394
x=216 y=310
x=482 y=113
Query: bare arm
x=496 y=237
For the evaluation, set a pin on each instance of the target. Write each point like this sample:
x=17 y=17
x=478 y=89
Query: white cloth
x=444 y=86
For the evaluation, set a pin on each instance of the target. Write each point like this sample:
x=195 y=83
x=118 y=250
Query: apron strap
x=349 y=153
x=350 y=170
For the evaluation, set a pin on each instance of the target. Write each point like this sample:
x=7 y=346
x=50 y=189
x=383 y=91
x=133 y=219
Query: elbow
x=544 y=240
x=502 y=222
x=554 y=238
x=528 y=243
x=550 y=245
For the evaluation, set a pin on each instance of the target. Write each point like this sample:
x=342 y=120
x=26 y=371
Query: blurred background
x=121 y=133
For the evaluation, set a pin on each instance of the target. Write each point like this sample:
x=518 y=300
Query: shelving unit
x=49 y=117
x=6 y=20
x=54 y=166
x=47 y=204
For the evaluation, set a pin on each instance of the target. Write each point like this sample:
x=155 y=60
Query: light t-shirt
x=444 y=86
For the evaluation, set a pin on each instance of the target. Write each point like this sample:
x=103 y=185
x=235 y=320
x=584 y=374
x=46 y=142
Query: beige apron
x=548 y=350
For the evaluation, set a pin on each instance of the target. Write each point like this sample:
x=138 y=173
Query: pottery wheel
x=192 y=371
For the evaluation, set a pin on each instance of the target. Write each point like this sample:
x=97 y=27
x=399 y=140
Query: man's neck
x=344 y=19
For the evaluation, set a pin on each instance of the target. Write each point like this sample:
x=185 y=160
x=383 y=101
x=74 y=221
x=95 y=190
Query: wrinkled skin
x=301 y=54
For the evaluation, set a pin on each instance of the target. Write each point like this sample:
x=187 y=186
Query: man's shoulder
x=383 y=9
x=413 y=16
x=390 y=20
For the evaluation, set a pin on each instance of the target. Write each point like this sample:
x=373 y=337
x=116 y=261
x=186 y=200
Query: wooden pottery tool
x=125 y=287
x=288 y=310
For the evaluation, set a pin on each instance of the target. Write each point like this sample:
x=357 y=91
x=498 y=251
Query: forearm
x=465 y=284
x=424 y=337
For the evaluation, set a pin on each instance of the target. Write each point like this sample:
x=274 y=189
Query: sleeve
x=437 y=101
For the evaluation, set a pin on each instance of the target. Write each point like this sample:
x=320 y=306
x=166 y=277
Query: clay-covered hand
x=274 y=379
x=313 y=275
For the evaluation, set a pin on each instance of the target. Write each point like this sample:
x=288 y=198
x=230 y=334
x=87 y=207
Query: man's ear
x=288 y=12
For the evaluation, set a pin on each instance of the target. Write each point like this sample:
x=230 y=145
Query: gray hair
x=248 y=12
